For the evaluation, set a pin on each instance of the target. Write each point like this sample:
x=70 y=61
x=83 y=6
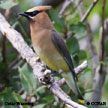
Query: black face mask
x=29 y=15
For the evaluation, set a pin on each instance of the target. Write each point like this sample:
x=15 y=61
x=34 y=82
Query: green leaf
x=18 y=98
x=48 y=98
x=39 y=106
x=58 y=27
x=77 y=27
x=76 y=60
x=14 y=79
x=73 y=46
x=74 y=49
x=7 y=97
x=11 y=57
x=45 y=101
x=59 y=21
x=25 y=5
x=24 y=83
x=41 y=88
x=28 y=80
x=82 y=55
x=6 y=4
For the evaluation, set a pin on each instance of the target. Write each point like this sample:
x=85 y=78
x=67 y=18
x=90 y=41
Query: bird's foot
x=56 y=73
x=47 y=73
x=46 y=79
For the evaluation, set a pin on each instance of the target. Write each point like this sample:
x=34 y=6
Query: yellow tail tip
x=81 y=101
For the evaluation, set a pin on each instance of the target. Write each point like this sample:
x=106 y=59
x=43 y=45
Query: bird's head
x=34 y=12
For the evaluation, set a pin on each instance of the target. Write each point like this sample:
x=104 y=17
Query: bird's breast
x=46 y=50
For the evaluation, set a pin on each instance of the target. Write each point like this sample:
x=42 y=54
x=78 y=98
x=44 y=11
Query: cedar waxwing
x=50 y=46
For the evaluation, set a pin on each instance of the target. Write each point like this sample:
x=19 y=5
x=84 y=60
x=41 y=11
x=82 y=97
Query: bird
x=50 y=46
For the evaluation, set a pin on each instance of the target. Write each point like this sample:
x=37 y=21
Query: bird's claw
x=56 y=73
x=46 y=79
x=47 y=73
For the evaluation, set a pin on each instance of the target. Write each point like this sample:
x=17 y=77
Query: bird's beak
x=24 y=14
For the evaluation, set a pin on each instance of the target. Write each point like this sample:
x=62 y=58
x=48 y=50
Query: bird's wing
x=61 y=47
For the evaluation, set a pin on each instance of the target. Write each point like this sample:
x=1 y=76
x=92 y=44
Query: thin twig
x=93 y=54
x=100 y=74
x=77 y=5
x=38 y=67
x=90 y=45
x=101 y=44
x=64 y=6
x=13 y=63
x=74 y=8
x=89 y=10
x=98 y=79
x=7 y=13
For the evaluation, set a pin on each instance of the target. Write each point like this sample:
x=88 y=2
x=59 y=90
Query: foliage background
x=17 y=83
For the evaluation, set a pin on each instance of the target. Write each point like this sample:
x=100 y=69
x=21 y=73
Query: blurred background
x=17 y=82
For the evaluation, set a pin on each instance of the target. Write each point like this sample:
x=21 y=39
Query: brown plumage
x=50 y=46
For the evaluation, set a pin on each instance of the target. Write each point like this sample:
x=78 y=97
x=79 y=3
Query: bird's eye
x=34 y=13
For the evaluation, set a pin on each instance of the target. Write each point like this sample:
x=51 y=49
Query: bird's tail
x=70 y=80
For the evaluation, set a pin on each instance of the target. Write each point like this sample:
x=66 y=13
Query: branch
x=98 y=79
x=81 y=67
x=93 y=54
x=101 y=44
x=74 y=8
x=78 y=69
x=90 y=45
x=64 y=6
x=100 y=74
x=89 y=10
x=38 y=68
